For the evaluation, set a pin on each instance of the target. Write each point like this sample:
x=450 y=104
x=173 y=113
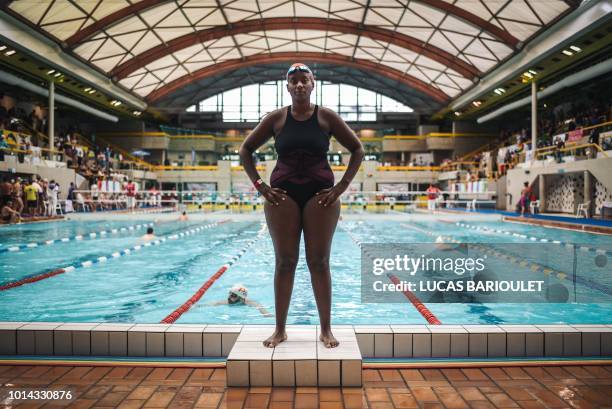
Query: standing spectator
x=94 y=192
x=18 y=196
x=6 y=191
x=432 y=197
x=525 y=198
x=560 y=145
x=31 y=194
x=3 y=145
x=53 y=193
x=71 y=191
x=79 y=155
x=130 y=189
x=44 y=184
x=107 y=157
x=39 y=200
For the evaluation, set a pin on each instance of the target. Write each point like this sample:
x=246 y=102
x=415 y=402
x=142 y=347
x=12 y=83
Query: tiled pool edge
x=375 y=341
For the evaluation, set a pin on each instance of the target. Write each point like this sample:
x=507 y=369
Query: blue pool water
x=149 y=284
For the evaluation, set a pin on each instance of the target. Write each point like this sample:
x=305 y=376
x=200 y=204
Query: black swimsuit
x=302 y=168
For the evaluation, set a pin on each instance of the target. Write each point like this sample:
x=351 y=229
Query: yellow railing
x=449 y=166
x=571 y=147
x=408 y=168
x=187 y=167
x=339 y=167
x=241 y=168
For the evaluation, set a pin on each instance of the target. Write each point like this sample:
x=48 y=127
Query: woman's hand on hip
x=272 y=194
x=327 y=197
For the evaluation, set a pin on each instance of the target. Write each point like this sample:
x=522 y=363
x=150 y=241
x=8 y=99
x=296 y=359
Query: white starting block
x=301 y=360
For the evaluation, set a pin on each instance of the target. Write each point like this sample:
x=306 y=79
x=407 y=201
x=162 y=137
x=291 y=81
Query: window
x=251 y=102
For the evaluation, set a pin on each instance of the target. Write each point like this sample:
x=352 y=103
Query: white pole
x=51 y=118
x=534 y=119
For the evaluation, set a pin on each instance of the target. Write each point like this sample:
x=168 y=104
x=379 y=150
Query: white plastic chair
x=534 y=206
x=58 y=208
x=583 y=208
x=81 y=202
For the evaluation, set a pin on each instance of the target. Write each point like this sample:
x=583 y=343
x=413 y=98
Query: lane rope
x=102 y=259
x=533 y=238
x=533 y=267
x=177 y=313
x=429 y=316
x=78 y=237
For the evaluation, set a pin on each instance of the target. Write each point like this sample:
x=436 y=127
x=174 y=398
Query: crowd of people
x=556 y=129
x=28 y=198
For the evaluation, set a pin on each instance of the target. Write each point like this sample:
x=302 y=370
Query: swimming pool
x=150 y=282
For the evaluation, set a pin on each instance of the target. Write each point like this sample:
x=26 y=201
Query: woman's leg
x=319 y=224
x=285 y=225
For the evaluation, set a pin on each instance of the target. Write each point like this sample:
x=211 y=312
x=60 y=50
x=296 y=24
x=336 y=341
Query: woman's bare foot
x=328 y=339
x=275 y=339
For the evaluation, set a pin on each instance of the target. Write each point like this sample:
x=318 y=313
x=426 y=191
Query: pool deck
x=578 y=386
x=589 y=225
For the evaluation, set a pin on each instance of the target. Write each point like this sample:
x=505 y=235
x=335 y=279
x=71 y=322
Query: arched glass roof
x=153 y=47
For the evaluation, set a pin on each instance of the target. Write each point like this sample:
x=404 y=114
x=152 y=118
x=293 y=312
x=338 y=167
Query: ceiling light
x=57 y=74
x=9 y=53
x=527 y=74
x=2 y=47
x=477 y=103
x=87 y=89
x=577 y=49
x=137 y=113
x=500 y=91
x=457 y=113
x=91 y=91
x=567 y=52
x=50 y=72
x=533 y=72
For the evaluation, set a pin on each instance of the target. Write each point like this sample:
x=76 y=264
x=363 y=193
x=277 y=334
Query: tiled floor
x=500 y=387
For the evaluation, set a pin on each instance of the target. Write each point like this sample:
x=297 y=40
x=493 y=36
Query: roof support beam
x=286 y=23
x=142 y=5
x=288 y=58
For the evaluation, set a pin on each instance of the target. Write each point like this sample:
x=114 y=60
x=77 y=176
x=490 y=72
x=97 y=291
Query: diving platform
x=301 y=360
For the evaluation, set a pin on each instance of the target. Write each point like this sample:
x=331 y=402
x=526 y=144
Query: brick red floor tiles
x=447 y=388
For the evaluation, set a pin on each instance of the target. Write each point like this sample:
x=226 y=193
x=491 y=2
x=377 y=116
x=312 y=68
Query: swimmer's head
x=299 y=67
x=184 y=213
x=237 y=294
x=150 y=230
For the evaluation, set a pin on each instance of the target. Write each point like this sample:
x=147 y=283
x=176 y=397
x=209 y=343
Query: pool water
x=147 y=285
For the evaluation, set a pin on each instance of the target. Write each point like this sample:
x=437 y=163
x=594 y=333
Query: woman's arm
x=254 y=140
x=349 y=140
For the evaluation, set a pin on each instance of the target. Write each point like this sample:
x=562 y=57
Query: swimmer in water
x=238 y=296
x=149 y=236
x=183 y=217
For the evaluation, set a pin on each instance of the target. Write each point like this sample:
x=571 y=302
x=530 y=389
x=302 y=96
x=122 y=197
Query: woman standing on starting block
x=302 y=195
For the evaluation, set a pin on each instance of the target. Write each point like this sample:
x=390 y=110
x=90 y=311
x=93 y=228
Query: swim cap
x=240 y=291
x=298 y=66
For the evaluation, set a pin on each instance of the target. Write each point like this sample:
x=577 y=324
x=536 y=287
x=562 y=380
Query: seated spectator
x=9 y=214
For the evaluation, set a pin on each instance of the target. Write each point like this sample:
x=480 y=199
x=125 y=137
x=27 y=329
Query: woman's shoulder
x=327 y=111
x=276 y=114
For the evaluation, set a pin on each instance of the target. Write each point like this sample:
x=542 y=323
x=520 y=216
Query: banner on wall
x=573 y=136
x=557 y=138
x=392 y=187
x=201 y=187
x=243 y=187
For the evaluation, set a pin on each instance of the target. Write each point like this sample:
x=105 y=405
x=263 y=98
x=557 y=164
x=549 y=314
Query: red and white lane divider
x=78 y=237
x=176 y=314
x=532 y=238
x=102 y=259
x=414 y=300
